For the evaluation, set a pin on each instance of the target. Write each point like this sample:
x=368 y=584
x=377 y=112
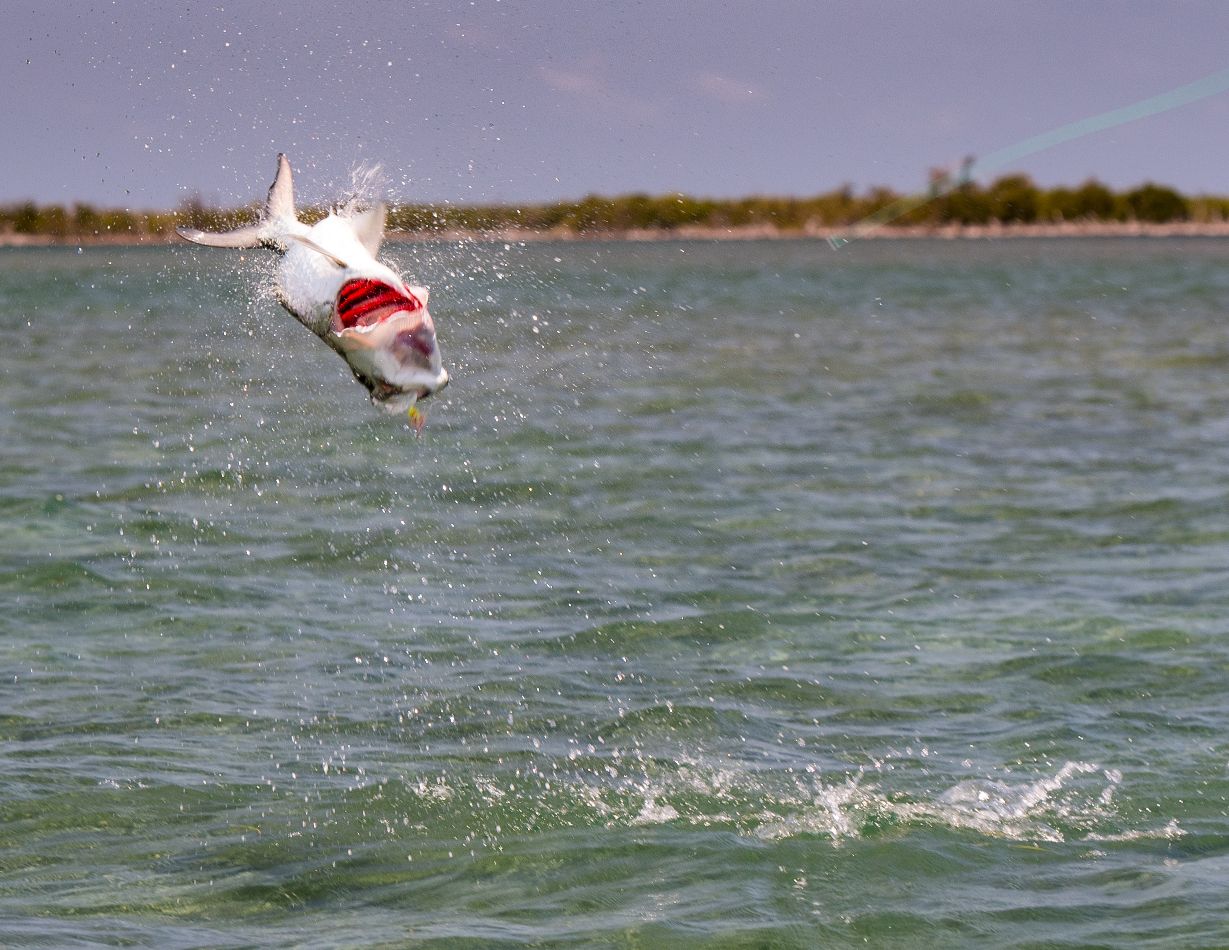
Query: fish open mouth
x=388 y=338
x=363 y=302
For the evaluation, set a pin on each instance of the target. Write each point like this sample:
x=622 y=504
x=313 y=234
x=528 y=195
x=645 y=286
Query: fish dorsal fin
x=280 y=203
x=369 y=227
x=328 y=255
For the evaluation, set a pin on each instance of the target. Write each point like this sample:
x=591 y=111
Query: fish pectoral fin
x=312 y=245
x=352 y=342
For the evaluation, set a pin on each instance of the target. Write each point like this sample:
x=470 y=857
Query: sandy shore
x=1115 y=229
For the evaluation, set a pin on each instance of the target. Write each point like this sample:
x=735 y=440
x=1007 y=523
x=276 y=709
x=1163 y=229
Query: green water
x=735 y=595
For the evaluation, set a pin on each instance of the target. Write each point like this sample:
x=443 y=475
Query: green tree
x=1013 y=198
x=1057 y=204
x=53 y=221
x=25 y=218
x=86 y=220
x=1151 y=202
x=117 y=220
x=1093 y=200
x=966 y=204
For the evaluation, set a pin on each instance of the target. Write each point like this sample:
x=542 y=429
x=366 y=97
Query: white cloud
x=585 y=83
x=728 y=90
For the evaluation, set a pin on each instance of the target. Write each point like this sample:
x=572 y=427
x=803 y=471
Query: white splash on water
x=1020 y=811
x=655 y=814
x=1170 y=831
x=832 y=810
x=1076 y=802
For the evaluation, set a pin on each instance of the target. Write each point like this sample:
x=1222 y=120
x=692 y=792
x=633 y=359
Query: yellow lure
x=417 y=419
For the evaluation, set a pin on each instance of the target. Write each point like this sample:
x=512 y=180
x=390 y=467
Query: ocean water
x=735 y=595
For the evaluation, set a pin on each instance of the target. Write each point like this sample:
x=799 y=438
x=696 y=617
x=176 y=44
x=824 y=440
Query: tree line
x=1011 y=199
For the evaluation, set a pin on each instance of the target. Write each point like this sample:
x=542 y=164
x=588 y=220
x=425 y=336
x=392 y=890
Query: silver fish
x=330 y=280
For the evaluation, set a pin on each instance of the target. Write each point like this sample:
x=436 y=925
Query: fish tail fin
x=280 y=203
x=274 y=226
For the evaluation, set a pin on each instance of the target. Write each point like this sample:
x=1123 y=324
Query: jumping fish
x=331 y=282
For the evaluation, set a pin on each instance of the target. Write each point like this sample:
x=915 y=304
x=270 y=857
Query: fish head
x=384 y=331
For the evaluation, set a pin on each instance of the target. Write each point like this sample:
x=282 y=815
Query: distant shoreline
x=995 y=231
x=1010 y=206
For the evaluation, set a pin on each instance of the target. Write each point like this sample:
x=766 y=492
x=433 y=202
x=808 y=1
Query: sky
x=142 y=105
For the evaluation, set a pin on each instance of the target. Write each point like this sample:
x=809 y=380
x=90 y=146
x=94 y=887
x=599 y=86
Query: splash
x=1026 y=810
x=367 y=184
x=1075 y=801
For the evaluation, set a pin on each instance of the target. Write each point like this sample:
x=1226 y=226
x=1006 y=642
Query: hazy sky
x=139 y=104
